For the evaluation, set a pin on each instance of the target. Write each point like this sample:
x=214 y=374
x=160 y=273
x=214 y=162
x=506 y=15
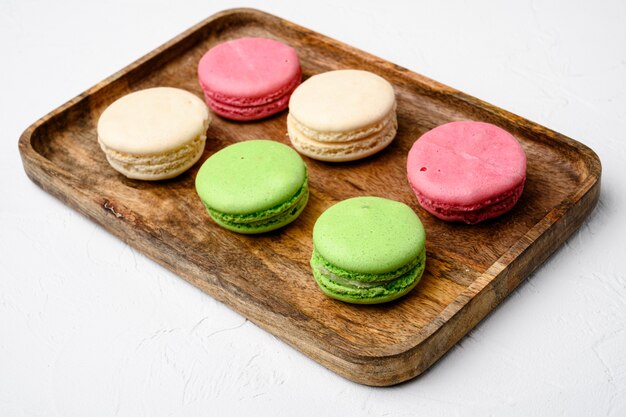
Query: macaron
x=342 y=115
x=154 y=134
x=467 y=171
x=253 y=186
x=249 y=78
x=368 y=250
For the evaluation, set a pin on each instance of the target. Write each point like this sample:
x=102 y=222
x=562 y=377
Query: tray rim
x=587 y=193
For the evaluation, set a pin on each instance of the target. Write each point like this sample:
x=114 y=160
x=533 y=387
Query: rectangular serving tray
x=267 y=278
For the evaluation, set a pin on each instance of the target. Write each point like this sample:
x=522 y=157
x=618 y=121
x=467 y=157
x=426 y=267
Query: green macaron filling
x=359 y=278
x=264 y=221
x=352 y=290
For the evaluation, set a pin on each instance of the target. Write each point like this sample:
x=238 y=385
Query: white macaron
x=154 y=134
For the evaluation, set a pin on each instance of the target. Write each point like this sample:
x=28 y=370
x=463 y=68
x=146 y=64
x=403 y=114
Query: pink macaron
x=467 y=171
x=249 y=78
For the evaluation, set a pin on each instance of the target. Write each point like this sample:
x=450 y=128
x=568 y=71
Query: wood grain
x=469 y=270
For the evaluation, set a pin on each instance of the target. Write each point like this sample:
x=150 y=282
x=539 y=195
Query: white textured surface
x=89 y=327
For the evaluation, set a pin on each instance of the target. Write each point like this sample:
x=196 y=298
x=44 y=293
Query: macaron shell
x=466 y=164
x=251 y=176
x=369 y=235
x=342 y=101
x=153 y=121
x=248 y=68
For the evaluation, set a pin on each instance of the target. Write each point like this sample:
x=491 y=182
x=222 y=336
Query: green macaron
x=368 y=250
x=253 y=186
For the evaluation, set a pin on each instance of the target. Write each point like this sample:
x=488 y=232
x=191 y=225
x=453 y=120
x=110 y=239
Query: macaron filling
x=474 y=213
x=357 y=279
x=340 y=151
x=346 y=286
x=246 y=112
x=360 y=133
x=184 y=156
x=264 y=219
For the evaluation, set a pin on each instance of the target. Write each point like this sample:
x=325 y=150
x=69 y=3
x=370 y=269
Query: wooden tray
x=267 y=278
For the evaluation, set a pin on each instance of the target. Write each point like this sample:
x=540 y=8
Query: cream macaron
x=154 y=134
x=342 y=115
